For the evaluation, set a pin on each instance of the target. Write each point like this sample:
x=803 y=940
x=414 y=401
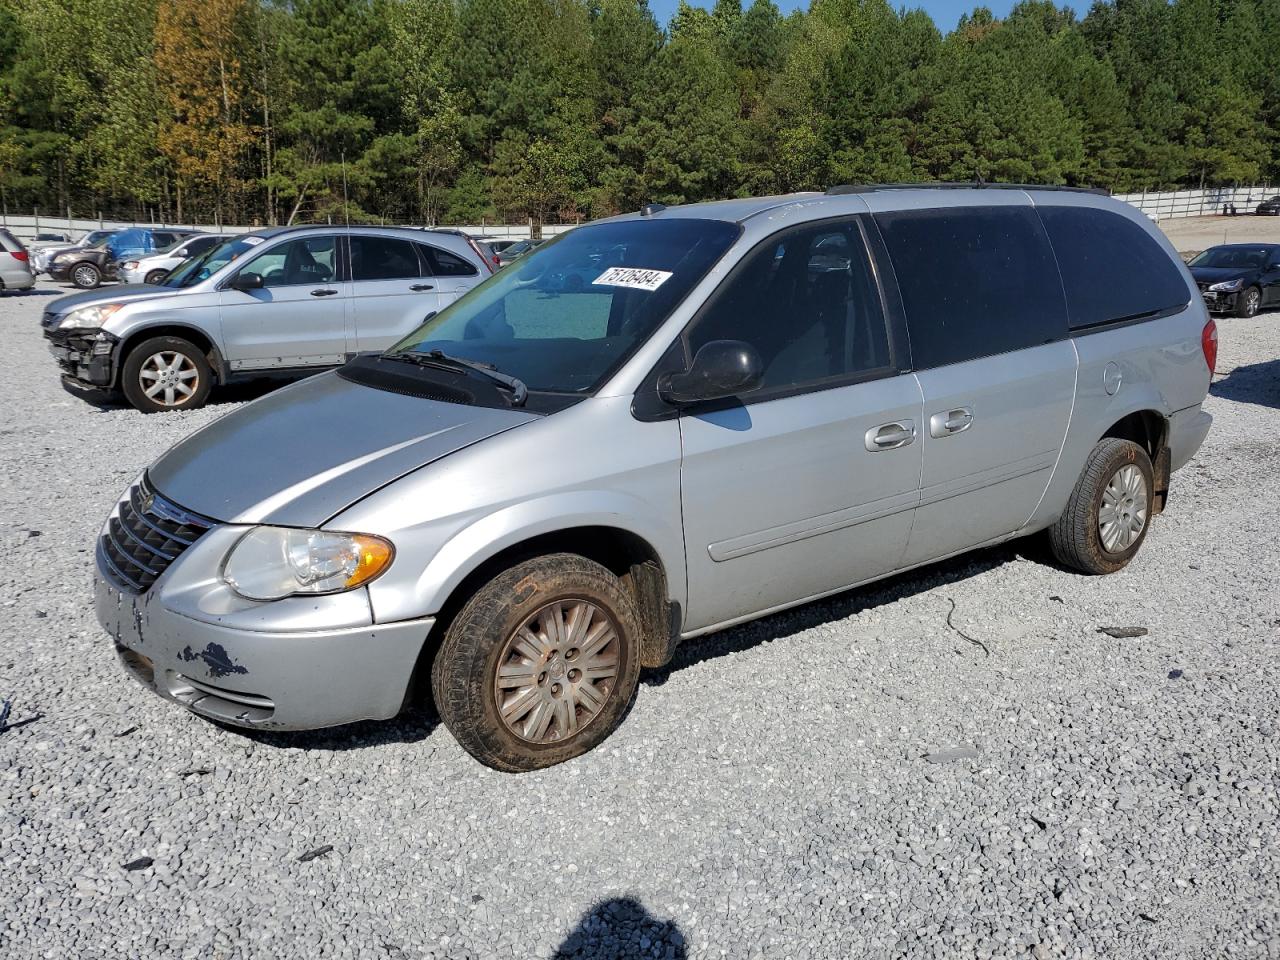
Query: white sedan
x=154 y=268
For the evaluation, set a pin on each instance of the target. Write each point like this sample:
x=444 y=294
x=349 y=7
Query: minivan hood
x=302 y=454
x=1219 y=274
x=124 y=293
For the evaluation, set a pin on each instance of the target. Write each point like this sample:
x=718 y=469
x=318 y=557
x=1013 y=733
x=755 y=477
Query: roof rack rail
x=846 y=188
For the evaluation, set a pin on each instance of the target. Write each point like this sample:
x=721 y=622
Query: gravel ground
x=1197 y=233
x=853 y=778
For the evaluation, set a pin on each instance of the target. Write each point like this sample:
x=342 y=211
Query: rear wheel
x=86 y=276
x=166 y=373
x=540 y=665
x=1250 y=300
x=1109 y=511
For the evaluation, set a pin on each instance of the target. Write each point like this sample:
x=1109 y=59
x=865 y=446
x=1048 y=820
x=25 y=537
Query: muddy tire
x=540 y=665
x=1109 y=513
x=166 y=373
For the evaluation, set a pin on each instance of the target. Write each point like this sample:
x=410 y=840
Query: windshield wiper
x=442 y=361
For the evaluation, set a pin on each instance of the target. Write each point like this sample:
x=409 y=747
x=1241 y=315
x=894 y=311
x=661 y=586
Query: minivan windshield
x=564 y=316
x=193 y=271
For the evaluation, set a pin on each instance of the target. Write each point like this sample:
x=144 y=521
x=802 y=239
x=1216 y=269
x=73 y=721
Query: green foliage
x=455 y=110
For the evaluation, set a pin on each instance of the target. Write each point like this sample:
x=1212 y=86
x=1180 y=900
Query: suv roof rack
x=979 y=184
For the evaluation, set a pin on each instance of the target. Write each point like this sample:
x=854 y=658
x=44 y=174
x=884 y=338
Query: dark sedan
x=1269 y=208
x=1239 y=278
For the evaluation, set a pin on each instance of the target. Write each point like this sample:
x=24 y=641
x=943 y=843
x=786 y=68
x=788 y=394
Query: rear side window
x=975 y=281
x=382 y=258
x=442 y=263
x=1111 y=268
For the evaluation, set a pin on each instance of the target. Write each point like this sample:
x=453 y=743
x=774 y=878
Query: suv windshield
x=566 y=315
x=203 y=267
x=1242 y=257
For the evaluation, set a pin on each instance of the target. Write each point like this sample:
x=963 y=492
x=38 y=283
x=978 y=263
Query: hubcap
x=169 y=378
x=557 y=671
x=1123 y=513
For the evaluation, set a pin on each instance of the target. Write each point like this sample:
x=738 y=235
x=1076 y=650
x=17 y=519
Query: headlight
x=87 y=318
x=1229 y=286
x=131 y=264
x=270 y=563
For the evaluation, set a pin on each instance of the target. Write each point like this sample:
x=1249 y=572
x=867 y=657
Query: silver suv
x=744 y=406
x=283 y=300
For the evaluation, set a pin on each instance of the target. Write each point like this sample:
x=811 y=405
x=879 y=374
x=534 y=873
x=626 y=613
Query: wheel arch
x=1149 y=429
x=171 y=329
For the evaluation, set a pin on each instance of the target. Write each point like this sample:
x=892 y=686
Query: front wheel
x=1109 y=511
x=86 y=276
x=166 y=373
x=540 y=665
x=155 y=276
x=1249 y=301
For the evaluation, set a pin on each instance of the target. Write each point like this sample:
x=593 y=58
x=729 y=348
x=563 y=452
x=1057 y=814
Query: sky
x=946 y=13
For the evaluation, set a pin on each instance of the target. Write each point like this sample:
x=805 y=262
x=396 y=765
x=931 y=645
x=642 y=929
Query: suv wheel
x=1249 y=302
x=86 y=276
x=1109 y=512
x=540 y=665
x=166 y=373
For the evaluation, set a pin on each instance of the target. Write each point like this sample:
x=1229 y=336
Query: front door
x=298 y=318
x=810 y=483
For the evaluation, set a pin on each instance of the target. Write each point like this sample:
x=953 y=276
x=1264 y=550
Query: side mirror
x=245 y=282
x=720 y=369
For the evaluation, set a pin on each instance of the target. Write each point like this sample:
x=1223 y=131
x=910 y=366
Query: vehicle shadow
x=1252 y=383
x=33 y=292
x=619 y=928
x=240 y=392
x=412 y=726
x=842 y=605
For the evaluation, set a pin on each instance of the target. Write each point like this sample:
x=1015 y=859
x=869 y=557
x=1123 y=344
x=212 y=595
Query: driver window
x=807 y=303
x=300 y=261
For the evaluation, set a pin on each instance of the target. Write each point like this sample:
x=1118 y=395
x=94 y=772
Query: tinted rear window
x=975 y=281
x=1111 y=268
x=442 y=263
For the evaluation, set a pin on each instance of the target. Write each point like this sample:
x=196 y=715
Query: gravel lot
x=851 y=779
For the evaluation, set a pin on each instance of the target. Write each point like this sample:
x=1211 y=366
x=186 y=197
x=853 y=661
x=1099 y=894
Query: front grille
x=147 y=534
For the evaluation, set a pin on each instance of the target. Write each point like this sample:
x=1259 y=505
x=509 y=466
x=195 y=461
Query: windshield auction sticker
x=633 y=277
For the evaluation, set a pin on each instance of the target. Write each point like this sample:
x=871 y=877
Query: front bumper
x=298 y=680
x=84 y=356
x=1217 y=302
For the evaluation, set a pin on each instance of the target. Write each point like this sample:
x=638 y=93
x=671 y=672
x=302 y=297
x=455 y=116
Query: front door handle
x=956 y=420
x=890 y=436
x=323 y=292
x=419 y=287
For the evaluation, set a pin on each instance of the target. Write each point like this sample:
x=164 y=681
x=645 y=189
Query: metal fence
x=27 y=226
x=1199 y=203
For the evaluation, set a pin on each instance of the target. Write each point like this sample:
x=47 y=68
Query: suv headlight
x=88 y=318
x=1229 y=286
x=271 y=563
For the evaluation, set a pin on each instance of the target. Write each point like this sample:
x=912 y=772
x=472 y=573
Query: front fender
x=477 y=542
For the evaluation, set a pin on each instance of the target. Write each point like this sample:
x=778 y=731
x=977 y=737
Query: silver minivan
x=744 y=406
x=284 y=300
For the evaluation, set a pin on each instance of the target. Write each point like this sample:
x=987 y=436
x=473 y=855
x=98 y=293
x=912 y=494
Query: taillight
x=1209 y=344
x=20 y=255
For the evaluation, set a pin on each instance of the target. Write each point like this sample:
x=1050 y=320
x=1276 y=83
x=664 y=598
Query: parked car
x=42 y=257
x=526 y=500
x=498 y=245
x=49 y=238
x=156 y=267
x=87 y=268
x=282 y=300
x=516 y=250
x=478 y=244
x=1269 y=207
x=15 y=264
x=1239 y=278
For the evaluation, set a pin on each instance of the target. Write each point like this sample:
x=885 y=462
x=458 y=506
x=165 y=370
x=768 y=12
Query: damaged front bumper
x=86 y=357
x=282 y=680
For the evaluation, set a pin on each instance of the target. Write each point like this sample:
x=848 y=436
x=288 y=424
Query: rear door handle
x=419 y=287
x=956 y=420
x=890 y=436
x=323 y=292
